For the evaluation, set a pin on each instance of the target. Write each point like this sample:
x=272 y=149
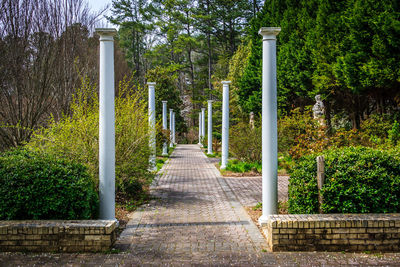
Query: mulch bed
x=256 y=213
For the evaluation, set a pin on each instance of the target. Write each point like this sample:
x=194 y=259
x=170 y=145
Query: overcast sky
x=97 y=5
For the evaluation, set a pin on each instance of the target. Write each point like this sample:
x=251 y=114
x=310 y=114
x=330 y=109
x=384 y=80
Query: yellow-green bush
x=245 y=142
x=77 y=136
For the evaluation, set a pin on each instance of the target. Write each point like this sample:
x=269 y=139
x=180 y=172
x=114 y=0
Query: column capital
x=171 y=110
x=164 y=101
x=203 y=109
x=226 y=82
x=210 y=101
x=151 y=83
x=106 y=34
x=269 y=33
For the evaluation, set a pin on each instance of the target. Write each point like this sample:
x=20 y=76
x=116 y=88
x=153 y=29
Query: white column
x=171 y=111
x=203 y=123
x=165 y=126
x=209 y=134
x=173 y=128
x=107 y=125
x=200 y=129
x=269 y=124
x=225 y=124
x=152 y=126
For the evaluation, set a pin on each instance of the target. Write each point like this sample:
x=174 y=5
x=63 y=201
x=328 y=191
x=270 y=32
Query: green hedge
x=357 y=180
x=39 y=186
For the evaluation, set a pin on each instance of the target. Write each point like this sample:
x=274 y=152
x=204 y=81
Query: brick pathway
x=248 y=189
x=195 y=220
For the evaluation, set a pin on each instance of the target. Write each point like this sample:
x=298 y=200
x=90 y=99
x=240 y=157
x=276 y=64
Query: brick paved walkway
x=195 y=220
x=248 y=189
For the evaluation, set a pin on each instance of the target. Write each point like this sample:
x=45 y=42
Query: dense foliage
x=77 y=136
x=40 y=186
x=357 y=180
x=347 y=51
x=196 y=38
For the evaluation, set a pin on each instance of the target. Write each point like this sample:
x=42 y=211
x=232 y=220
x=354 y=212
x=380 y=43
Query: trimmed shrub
x=39 y=186
x=357 y=180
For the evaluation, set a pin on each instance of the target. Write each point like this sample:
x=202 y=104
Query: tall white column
x=203 y=123
x=200 y=124
x=107 y=125
x=269 y=124
x=165 y=126
x=152 y=126
x=173 y=129
x=171 y=111
x=209 y=128
x=225 y=124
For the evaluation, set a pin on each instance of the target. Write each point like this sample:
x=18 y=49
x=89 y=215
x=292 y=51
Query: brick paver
x=196 y=219
x=248 y=189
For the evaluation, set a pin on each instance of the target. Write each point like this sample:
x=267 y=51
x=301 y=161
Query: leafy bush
x=292 y=126
x=300 y=134
x=357 y=180
x=241 y=167
x=39 y=186
x=77 y=136
x=394 y=134
x=376 y=127
x=245 y=142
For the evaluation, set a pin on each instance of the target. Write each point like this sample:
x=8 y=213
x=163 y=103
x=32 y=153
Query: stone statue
x=252 y=120
x=319 y=108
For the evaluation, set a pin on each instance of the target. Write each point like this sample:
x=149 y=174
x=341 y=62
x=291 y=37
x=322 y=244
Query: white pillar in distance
x=200 y=124
x=269 y=124
x=225 y=124
x=173 y=129
x=209 y=128
x=106 y=125
x=171 y=111
x=203 y=123
x=165 y=127
x=152 y=126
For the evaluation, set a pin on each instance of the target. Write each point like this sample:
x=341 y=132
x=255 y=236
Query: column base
x=153 y=169
x=263 y=220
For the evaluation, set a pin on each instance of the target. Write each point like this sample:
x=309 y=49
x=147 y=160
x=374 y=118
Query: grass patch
x=213 y=155
x=242 y=167
x=160 y=163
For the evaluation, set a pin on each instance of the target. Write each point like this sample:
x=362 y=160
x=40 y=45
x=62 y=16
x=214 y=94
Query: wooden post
x=320 y=178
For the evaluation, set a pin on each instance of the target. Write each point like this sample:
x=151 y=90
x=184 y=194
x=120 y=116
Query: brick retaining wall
x=333 y=232
x=57 y=236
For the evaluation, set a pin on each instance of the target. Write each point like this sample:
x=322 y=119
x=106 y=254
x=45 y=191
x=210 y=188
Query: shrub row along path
x=196 y=218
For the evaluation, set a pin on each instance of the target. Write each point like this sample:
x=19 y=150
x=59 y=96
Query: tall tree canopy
x=347 y=51
x=195 y=38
